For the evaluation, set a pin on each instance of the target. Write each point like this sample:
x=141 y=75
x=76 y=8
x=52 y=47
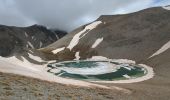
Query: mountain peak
x=139 y=29
x=15 y=39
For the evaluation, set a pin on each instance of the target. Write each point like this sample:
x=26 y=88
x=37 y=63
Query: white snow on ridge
x=77 y=56
x=166 y=7
x=29 y=43
x=97 y=42
x=41 y=44
x=92 y=25
x=36 y=58
x=77 y=37
x=165 y=47
x=55 y=34
x=26 y=34
x=58 y=50
x=75 y=40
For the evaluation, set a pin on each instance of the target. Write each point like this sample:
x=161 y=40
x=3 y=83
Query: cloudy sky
x=67 y=14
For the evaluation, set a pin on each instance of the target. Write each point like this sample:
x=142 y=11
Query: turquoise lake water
x=123 y=71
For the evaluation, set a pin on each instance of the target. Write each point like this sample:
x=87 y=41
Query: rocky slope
x=133 y=36
x=15 y=40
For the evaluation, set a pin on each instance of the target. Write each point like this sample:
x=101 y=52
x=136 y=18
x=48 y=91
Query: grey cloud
x=67 y=14
x=9 y=15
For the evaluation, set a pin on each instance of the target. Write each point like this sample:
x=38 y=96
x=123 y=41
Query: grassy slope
x=14 y=87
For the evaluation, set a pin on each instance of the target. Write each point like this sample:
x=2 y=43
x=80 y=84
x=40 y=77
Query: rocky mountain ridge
x=14 y=40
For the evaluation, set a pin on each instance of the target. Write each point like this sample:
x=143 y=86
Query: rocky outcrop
x=15 y=39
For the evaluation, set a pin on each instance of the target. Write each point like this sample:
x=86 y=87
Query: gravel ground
x=14 y=87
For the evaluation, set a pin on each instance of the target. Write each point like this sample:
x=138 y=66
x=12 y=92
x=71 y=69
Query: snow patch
x=165 y=47
x=77 y=55
x=97 y=42
x=41 y=44
x=26 y=34
x=93 y=25
x=55 y=70
x=36 y=58
x=75 y=40
x=166 y=7
x=58 y=50
x=77 y=37
x=28 y=65
x=19 y=63
x=56 y=36
x=143 y=69
x=29 y=43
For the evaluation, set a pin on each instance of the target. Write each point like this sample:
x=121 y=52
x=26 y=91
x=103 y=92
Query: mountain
x=142 y=36
x=15 y=40
x=133 y=36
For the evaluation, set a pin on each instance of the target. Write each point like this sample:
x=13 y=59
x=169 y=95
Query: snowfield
x=165 y=47
x=26 y=35
x=36 y=58
x=166 y=7
x=26 y=68
x=77 y=37
x=97 y=42
x=58 y=50
x=77 y=55
x=29 y=43
x=41 y=44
